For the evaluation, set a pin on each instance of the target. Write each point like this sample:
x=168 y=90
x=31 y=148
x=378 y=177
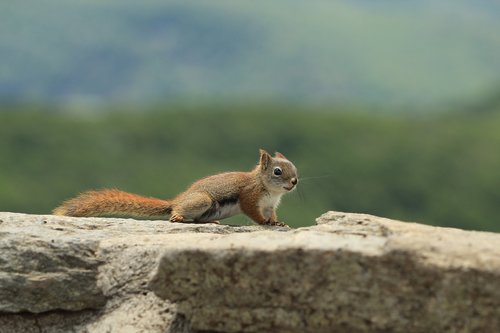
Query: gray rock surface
x=348 y=273
x=63 y=274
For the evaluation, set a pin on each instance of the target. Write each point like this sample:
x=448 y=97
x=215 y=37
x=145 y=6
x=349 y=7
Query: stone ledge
x=350 y=272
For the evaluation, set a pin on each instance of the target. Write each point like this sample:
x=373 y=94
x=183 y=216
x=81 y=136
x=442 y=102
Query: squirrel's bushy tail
x=113 y=202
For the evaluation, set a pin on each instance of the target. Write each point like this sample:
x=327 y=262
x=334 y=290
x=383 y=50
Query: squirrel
x=256 y=194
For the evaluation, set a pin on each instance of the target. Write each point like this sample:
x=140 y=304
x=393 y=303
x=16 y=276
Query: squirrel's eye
x=277 y=171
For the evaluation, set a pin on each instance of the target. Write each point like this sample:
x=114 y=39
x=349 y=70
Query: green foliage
x=438 y=169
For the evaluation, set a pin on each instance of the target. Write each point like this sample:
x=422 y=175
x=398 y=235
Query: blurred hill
x=412 y=52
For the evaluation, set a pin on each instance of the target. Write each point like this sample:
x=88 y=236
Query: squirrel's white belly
x=229 y=210
x=220 y=212
x=269 y=203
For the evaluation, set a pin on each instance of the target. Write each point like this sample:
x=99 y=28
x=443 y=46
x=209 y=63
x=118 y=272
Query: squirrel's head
x=277 y=173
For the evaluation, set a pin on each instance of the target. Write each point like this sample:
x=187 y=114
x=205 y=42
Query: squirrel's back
x=222 y=185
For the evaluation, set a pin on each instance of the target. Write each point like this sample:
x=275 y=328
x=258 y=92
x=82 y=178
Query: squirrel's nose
x=294 y=181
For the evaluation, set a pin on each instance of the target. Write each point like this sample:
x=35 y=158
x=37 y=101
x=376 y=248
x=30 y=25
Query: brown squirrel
x=256 y=194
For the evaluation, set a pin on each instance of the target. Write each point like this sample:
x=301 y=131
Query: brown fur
x=113 y=202
x=253 y=193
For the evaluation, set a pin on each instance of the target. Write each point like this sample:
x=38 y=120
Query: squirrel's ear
x=265 y=159
x=279 y=155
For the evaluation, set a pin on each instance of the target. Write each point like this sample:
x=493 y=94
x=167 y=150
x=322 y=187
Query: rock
x=53 y=322
x=60 y=274
x=348 y=273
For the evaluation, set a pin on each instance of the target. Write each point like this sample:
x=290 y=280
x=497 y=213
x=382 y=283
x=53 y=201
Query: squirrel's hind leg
x=191 y=207
x=176 y=217
x=180 y=219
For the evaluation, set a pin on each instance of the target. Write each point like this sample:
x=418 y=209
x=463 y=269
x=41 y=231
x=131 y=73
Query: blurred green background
x=389 y=108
